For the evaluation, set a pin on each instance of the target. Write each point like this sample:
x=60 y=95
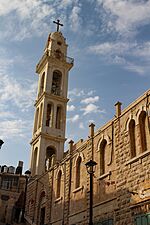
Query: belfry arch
x=50 y=157
x=56 y=82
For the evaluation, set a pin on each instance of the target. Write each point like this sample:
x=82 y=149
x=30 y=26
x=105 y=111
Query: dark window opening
x=42 y=216
x=102 y=156
x=50 y=157
x=58 y=117
x=142 y=122
x=56 y=83
x=59 y=184
x=132 y=138
x=78 y=172
x=49 y=116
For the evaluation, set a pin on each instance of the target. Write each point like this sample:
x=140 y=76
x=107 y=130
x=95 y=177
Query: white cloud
x=6 y=114
x=119 y=52
x=81 y=126
x=24 y=19
x=70 y=108
x=91 y=121
x=90 y=100
x=143 y=50
x=76 y=92
x=20 y=95
x=125 y=16
x=75 y=18
x=91 y=108
x=112 y=48
x=74 y=119
x=14 y=128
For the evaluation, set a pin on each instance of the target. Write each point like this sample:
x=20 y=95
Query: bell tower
x=50 y=107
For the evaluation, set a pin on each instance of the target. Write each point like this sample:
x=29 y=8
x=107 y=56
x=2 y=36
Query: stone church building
x=58 y=192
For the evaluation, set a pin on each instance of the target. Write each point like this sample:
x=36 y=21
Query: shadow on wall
x=110 y=206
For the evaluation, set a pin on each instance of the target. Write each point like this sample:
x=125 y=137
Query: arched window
x=102 y=156
x=50 y=157
x=56 y=83
x=59 y=184
x=49 y=115
x=142 y=123
x=36 y=120
x=58 y=117
x=132 y=137
x=78 y=172
x=35 y=161
x=42 y=83
x=58 y=54
x=42 y=208
x=40 y=116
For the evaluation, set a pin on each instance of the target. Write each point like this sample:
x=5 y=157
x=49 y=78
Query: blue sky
x=110 y=42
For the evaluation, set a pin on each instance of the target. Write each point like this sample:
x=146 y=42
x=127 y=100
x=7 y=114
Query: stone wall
x=120 y=183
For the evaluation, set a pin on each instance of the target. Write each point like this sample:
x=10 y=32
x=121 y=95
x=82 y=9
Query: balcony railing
x=69 y=60
x=57 y=55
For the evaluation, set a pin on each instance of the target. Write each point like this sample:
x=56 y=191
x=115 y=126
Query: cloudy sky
x=110 y=42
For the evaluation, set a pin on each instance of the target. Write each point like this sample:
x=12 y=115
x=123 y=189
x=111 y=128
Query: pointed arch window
x=42 y=208
x=132 y=138
x=42 y=83
x=50 y=157
x=40 y=116
x=78 y=172
x=35 y=160
x=36 y=120
x=56 y=82
x=102 y=156
x=59 y=184
x=58 y=117
x=49 y=115
x=142 y=123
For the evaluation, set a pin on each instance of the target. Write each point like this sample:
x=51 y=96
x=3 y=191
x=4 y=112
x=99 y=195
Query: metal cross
x=58 y=24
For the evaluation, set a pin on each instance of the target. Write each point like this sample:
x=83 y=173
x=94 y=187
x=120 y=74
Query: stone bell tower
x=50 y=113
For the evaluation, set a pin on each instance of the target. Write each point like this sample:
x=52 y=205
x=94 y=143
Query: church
x=59 y=189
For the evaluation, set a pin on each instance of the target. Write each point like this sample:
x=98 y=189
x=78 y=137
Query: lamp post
x=27 y=175
x=90 y=166
x=1 y=143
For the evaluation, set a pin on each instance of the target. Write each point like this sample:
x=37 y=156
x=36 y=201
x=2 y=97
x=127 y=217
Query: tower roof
x=55 y=36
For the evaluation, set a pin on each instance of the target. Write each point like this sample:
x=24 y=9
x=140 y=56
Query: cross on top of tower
x=58 y=24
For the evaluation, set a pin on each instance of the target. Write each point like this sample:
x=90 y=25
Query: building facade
x=12 y=193
x=58 y=192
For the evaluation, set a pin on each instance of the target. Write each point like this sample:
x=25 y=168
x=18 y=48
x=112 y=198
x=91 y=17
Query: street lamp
x=90 y=166
x=27 y=175
x=1 y=143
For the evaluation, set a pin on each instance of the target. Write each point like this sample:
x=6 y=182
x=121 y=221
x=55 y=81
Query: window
x=36 y=120
x=78 y=172
x=56 y=83
x=42 y=216
x=35 y=160
x=42 y=208
x=59 y=184
x=142 y=123
x=50 y=157
x=132 y=138
x=9 y=182
x=58 y=117
x=142 y=219
x=58 y=54
x=40 y=116
x=49 y=115
x=42 y=84
x=102 y=156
